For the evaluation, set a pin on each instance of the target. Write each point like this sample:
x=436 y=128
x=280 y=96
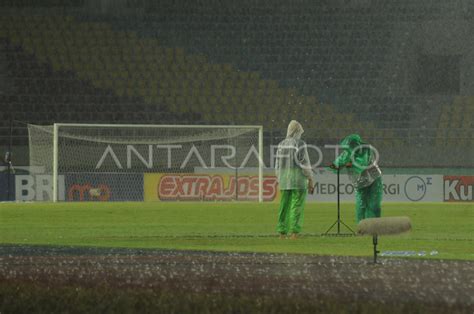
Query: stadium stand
x=98 y=63
x=330 y=65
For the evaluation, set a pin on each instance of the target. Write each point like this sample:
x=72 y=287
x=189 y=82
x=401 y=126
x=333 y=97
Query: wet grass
x=442 y=227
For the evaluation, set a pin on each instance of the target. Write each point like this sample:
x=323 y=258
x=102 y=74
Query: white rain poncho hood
x=295 y=130
x=292 y=165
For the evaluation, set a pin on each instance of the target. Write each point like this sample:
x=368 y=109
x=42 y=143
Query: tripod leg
x=348 y=227
x=375 y=248
x=338 y=203
x=331 y=227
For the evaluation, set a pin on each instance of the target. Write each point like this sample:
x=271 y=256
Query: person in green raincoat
x=360 y=160
x=295 y=179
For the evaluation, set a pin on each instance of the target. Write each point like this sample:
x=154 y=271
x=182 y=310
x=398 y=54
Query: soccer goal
x=125 y=162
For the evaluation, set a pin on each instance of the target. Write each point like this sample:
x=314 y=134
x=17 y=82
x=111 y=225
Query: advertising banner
x=80 y=187
x=210 y=187
x=38 y=187
x=104 y=187
x=458 y=188
x=7 y=187
x=224 y=187
x=397 y=188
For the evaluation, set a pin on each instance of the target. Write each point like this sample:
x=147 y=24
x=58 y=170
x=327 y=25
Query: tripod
x=339 y=221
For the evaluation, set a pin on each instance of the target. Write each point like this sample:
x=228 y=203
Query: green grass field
x=445 y=228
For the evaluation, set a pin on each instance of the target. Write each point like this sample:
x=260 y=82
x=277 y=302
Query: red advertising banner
x=458 y=188
x=197 y=187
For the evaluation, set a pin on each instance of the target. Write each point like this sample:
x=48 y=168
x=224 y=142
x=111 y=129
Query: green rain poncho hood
x=360 y=157
x=364 y=169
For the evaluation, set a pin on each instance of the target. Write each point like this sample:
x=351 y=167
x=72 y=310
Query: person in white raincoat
x=295 y=179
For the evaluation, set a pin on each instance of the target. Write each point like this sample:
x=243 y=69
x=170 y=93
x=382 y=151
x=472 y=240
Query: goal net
x=94 y=162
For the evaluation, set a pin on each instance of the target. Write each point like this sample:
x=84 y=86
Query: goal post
x=132 y=162
x=55 y=162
